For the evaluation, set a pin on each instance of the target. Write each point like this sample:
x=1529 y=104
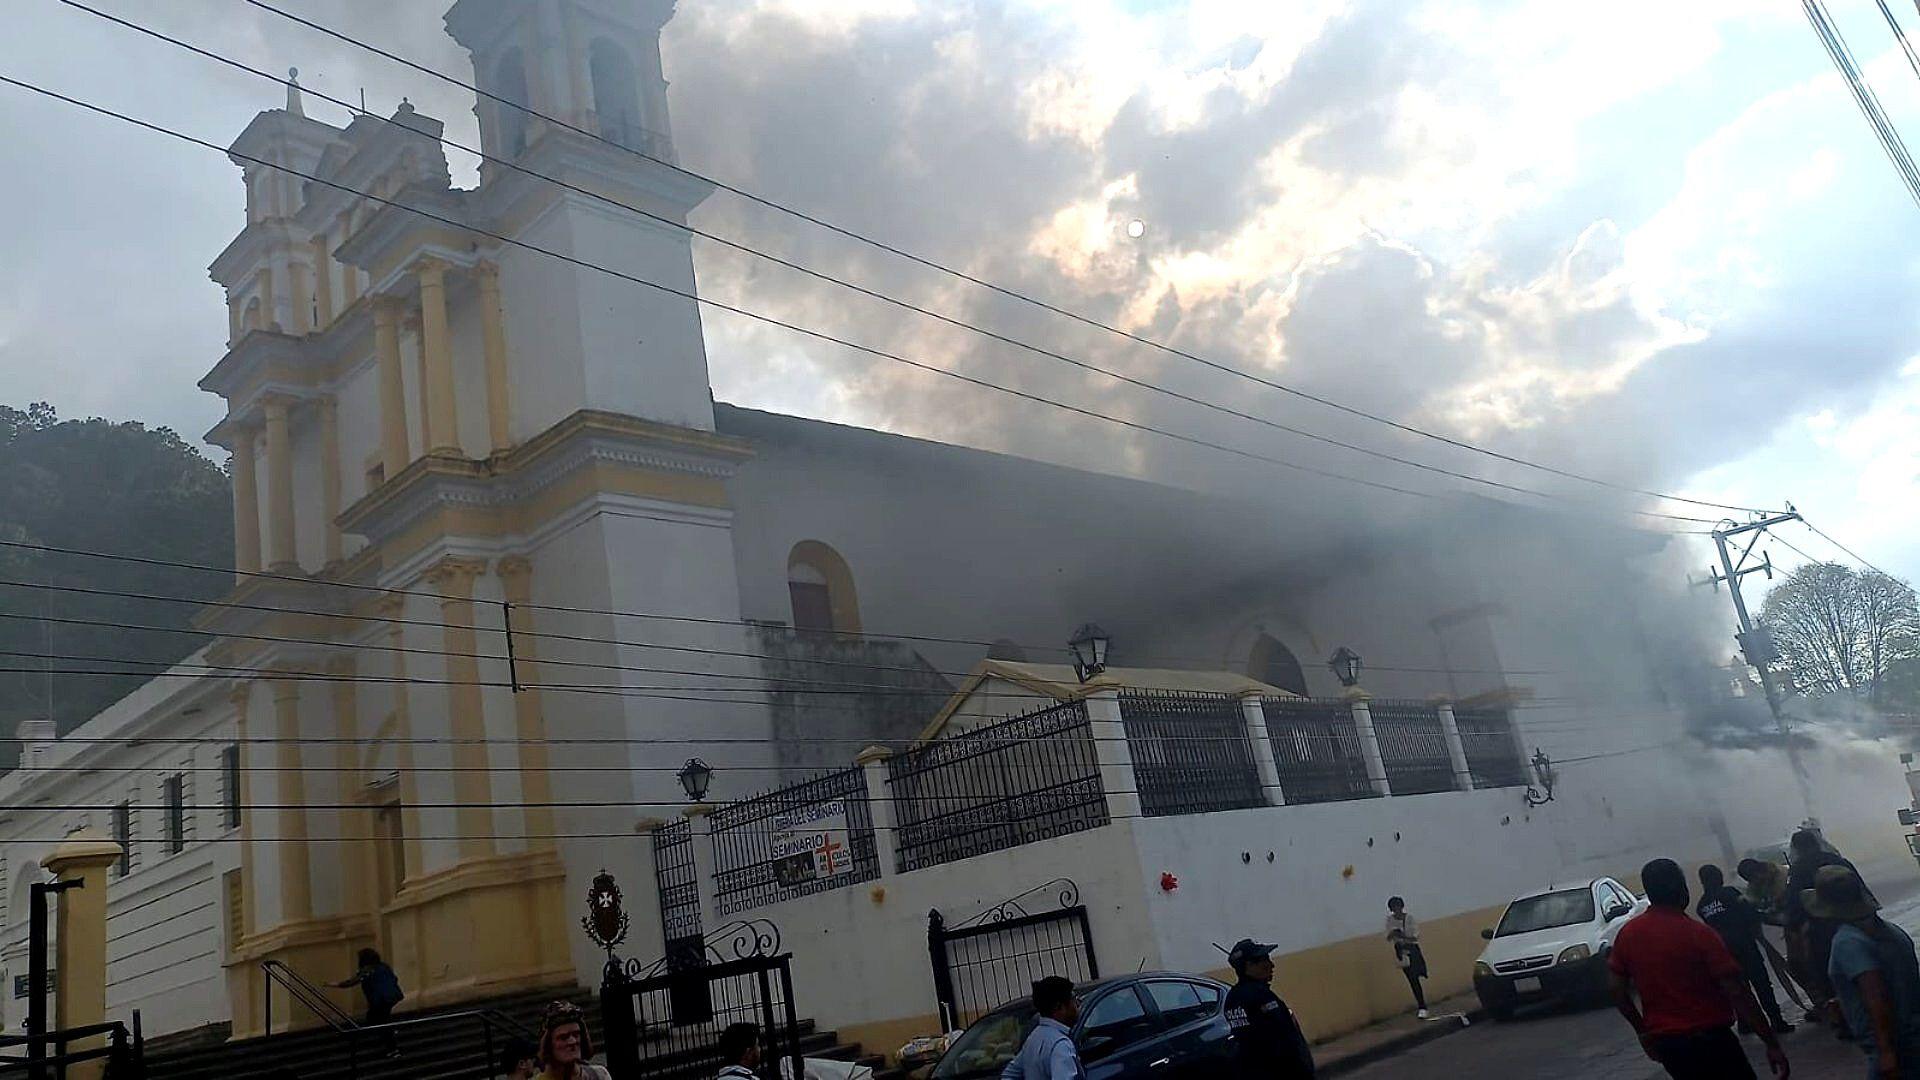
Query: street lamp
x=1545 y=775
x=695 y=776
x=1346 y=666
x=1089 y=645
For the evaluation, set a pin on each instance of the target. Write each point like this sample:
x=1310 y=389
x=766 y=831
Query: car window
x=1546 y=911
x=986 y=1047
x=1181 y=1003
x=1114 y=1023
x=1618 y=895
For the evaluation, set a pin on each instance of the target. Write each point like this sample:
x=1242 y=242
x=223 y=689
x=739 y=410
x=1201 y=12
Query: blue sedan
x=1156 y=1025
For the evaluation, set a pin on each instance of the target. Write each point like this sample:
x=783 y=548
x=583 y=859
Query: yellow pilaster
x=80 y=970
x=436 y=351
x=302 y=296
x=246 y=505
x=349 y=275
x=323 y=280
x=290 y=841
x=242 y=693
x=280 y=486
x=529 y=716
x=393 y=386
x=393 y=609
x=330 y=474
x=493 y=335
x=453 y=578
x=267 y=311
x=356 y=825
x=583 y=116
x=233 y=318
x=410 y=323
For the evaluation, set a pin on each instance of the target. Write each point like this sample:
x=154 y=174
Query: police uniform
x=1267 y=1042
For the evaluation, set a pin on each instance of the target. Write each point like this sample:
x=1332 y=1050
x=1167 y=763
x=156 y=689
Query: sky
x=1649 y=242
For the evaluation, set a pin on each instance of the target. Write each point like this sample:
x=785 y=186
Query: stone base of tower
x=323 y=950
x=480 y=928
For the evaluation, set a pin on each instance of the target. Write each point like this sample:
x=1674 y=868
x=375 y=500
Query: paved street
x=1597 y=1044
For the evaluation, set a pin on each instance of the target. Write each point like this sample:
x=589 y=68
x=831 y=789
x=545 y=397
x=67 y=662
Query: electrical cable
x=874 y=294
x=559 y=608
x=981 y=283
x=734 y=309
x=1869 y=102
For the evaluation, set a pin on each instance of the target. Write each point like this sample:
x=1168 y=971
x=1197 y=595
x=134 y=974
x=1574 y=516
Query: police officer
x=1267 y=1042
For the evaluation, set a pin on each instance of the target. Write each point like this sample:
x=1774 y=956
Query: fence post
x=873 y=765
x=1456 y=749
x=1369 y=740
x=1110 y=749
x=1256 y=717
x=700 y=836
x=643 y=897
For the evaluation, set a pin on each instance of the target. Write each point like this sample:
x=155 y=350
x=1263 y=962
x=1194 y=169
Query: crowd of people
x=1691 y=989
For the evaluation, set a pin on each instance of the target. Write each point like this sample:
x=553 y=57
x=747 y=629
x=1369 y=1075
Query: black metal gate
x=663 y=1021
x=997 y=955
x=675 y=877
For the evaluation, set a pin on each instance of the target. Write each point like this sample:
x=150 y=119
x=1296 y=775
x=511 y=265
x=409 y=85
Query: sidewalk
x=1389 y=1037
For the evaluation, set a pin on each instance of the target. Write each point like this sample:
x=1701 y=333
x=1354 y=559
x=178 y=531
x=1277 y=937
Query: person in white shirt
x=740 y=1050
x=1049 y=1052
x=1404 y=934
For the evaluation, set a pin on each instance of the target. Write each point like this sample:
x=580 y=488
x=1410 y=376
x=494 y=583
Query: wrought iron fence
x=1412 y=747
x=805 y=838
x=678 y=883
x=1493 y=758
x=1015 y=782
x=1191 y=754
x=1316 y=748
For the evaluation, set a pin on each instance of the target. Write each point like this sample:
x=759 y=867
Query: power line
x=720 y=305
x=1863 y=95
x=875 y=294
x=1850 y=552
x=563 y=609
x=1900 y=35
x=981 y=283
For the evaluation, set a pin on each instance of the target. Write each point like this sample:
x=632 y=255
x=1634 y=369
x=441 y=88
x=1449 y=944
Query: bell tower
x=578 y=96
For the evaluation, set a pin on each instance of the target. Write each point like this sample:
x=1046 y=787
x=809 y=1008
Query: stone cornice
x=582 y=440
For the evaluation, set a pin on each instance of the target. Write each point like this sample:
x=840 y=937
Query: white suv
x=1552 y=945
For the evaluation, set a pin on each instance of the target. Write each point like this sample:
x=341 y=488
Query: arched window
x=510 y=85
x=820 y=587
x=1274 y=664
x=616 y=93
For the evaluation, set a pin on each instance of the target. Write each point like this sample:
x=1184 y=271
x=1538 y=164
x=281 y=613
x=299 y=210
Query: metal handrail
x=488 y=1018
x=303 y=990
x=121 y=1048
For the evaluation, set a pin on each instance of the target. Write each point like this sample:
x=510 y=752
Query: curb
x=1399 y=1045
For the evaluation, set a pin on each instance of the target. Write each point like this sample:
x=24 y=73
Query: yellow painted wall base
x=323 y=950
x=481 y=928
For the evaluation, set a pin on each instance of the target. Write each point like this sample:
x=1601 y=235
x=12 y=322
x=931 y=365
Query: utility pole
x=1756 y=644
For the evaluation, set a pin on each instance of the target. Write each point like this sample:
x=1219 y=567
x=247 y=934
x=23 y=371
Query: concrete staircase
x=442 y=1044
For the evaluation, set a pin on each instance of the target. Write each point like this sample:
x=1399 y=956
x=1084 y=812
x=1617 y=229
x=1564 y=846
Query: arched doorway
x=1274 y=664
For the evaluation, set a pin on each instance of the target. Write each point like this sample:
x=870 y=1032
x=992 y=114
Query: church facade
x=504 y=565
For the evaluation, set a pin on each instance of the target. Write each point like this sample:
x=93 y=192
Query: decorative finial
x=293 y=92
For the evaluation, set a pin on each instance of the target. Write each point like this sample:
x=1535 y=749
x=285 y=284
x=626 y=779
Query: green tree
x=1841 y=631
x=103 y=486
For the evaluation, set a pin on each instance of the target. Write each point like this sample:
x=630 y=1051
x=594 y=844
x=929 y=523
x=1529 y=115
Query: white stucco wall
x=165 y=918
x=860 y=953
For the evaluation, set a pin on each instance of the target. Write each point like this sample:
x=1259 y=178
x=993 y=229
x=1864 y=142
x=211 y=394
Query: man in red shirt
x=1690 y=987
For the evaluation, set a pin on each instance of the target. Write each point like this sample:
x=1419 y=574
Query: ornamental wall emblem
x=605 y=922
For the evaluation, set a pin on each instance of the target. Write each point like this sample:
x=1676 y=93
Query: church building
x=505 y=565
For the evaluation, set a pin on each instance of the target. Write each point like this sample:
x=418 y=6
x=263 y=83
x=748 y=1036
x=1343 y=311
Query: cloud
x=1474 y=217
